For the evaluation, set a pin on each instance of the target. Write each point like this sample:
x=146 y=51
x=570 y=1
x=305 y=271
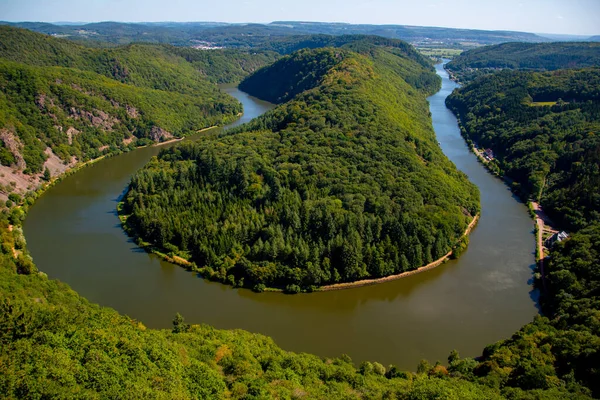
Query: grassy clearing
x=439 y=52
x=541 y=103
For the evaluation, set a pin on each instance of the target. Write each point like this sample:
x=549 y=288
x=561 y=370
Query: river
x=74 y=235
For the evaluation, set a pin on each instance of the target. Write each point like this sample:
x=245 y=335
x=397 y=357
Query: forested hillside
x=543 y=129
x=63 y=103
x=524 y=56
x=163 y=67
x=76 y=113
x=394 y=53
x=344 y=181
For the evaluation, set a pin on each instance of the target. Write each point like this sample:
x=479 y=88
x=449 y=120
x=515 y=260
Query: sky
x=575 y=17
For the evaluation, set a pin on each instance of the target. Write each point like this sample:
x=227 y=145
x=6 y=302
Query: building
x=488 y=154
x=557 y=237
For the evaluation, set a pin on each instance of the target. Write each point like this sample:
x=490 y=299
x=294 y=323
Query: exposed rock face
x=157 y=134
x=41 y=100
x=16 y=180
x=99 y=118
x=14 y=145
x=132 y=111
x=70 y=133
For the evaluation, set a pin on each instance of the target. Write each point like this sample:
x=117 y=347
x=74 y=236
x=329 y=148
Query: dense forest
x=162 y=67
x=343 y=181
x=524 y=56
x=543 y=129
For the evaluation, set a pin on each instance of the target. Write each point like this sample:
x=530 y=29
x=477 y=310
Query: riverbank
x=430 y=266
x=175 y=140
x=541 y=223
x=40 y=189
x=191 y=266
x=492 y=167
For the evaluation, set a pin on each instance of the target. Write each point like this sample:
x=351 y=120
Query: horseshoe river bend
x=74 y=235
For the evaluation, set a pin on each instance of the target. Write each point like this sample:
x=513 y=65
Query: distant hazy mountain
x=413 y=33
x=249 y=35
x=564 y=38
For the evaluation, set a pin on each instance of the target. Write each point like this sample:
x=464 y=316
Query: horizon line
x=67 y=23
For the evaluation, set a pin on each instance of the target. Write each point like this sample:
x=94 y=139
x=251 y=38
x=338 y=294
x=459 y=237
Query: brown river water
x=74 y=235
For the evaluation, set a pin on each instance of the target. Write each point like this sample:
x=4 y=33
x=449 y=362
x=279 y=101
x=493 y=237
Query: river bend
x=74 y=235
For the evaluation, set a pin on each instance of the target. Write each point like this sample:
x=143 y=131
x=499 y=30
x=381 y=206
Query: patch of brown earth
x=13 y=180
x=55 y=164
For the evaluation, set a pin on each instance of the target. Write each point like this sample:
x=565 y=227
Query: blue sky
x=545 y=16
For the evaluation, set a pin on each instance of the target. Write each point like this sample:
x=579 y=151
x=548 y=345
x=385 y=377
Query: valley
x=357 y=171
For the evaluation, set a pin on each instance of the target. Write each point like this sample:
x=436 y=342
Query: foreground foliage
x=344 y=181
x=55 y=344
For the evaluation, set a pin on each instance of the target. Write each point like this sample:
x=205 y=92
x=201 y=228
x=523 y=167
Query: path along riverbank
x=367 y=282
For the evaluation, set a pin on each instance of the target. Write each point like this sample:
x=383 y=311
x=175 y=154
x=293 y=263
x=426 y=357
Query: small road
x=543 y=222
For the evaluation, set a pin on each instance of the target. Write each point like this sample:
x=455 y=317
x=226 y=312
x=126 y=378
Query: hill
x=526 y=56
x=343 y=181
x=63 y=103
x=542 y=128
x=183 y=70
